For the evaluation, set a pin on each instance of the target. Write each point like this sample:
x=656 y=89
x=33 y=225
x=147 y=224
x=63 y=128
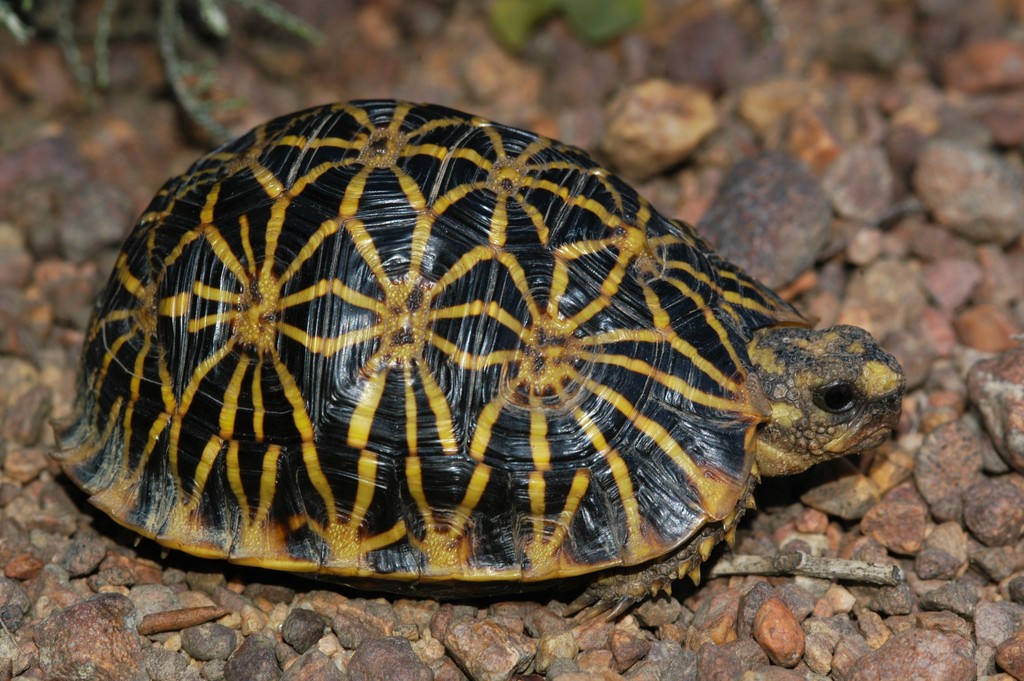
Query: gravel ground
x=873 y=150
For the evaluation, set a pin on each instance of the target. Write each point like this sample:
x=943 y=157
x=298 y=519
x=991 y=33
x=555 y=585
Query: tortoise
x=406 y=347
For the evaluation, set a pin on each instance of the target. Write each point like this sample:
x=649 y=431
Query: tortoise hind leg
x=615 y=593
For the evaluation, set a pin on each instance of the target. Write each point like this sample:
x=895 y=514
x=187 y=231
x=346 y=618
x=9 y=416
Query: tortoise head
x=829 y=393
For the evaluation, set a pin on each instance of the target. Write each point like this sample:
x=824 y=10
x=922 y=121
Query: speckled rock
x=994 y=511
x=359 y=619
x=947 y=463
x=849 y=497
x=771 y=216
x=94 y=640
x=994 y=622
x=860 y=183
x=386 y=659
x=884 y=297
x=899 y=522
x=654 y=125
x=487 y=651
x=1010 y=656
x=210 y=641
x=302 y=628
x=955 y=596
x=655 y=612
x=254 y=660
x=313 y=665
x=165 y=665
x=918 y=654
x=14 y=604
x=996 y=386
x=972 y=191
x=715 y=620
x=666 y=660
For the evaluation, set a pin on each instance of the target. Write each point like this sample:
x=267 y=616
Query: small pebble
x=956 y=596
x=985 y=65
x=849 y=497
x=951 y=281
x=627 y=648
x=986 y=327
x=97 y=635
x=972 y=191
x=994 y=622
x=487 y=651
x=254 y=660
x=654 y=125
x=860 y=183
x=313 y=665
x=164 y=665
x=303 y=628
x=779 y=633
x=994 y=511
x=899 y=521
x=947 y=463
x=1010 y=656
x=917 y=654
x=657 y=611
x=715 y=620
x=14 y=604
x=848 y=653
x=771 y=217
x=559 y=646
x=717 y=662
x=210 y=641
x=996 y=386
x=1016 y=589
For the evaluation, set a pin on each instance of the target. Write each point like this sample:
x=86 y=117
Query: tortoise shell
x=388 y=340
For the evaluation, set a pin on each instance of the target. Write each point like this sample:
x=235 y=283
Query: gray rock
x=93 y=640
x=387 y=659
x=210 y=641
x=918 y=654
x=972 y=191
x=771 y=217
x=253 y=661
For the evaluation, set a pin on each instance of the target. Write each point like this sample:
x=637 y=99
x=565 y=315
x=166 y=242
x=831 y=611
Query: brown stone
x=1010 y=656
x=985 y=327
x=715 y=620
x=972 y=191
x=996 y=386
x=899 y=522
x=96 y=636
x=770 y=216
x=654 y=125
x=779 y=633
x=387 y=659
x=948 y=462
x=918 y=654
x=860 y=183
x=994 y=511
x=985 y=65
x=812 y=139
x=487 y=651
x=627 y=648
x=849 y=497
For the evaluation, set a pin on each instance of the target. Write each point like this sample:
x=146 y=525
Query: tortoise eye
x=836 y=398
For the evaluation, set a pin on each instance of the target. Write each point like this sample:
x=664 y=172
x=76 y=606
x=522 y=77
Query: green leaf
x=599 y=20
x=512 y=20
